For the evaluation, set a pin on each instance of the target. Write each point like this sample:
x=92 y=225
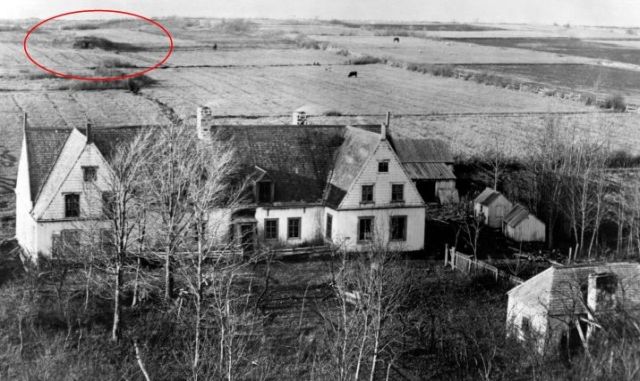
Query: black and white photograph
x=320 y=190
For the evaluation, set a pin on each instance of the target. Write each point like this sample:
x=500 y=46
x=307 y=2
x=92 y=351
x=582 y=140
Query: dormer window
x=89 y=174
x=264 y=191
x=383 y=166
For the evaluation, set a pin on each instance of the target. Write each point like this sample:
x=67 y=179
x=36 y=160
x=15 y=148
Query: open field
x=420 y=50
x=564 y=46
x=592 y=78
x=378 y=88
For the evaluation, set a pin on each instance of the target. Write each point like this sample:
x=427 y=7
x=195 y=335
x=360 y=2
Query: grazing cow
x=396 y=39
x=215 y=46
x=353 y=74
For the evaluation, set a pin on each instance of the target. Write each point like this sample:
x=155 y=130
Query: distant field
x=378 y=88
x=420 y=50
x=75 y=109
x=253 y=57
x=564 y=46
x=469 y=134
x=597 y=79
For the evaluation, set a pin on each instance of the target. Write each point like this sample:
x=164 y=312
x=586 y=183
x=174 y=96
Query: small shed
x=493 y=206
x=553 y=309
x=522 y=226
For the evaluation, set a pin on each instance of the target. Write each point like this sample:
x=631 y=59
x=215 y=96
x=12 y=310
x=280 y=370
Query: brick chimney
x=601 y=292
x=89 y=134
x=203 y=118
x=299 y=118
x=385 y=127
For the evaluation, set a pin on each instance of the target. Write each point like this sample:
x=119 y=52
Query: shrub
x=616 y=102
x=235 y=26
x=366 y=60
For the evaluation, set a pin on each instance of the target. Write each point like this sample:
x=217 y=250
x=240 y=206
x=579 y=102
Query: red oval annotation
x=98 y=79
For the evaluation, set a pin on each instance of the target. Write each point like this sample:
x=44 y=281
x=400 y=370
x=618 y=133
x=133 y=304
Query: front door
x=247 y=237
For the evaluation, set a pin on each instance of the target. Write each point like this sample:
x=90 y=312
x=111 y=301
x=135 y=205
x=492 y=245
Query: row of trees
x=566 y=180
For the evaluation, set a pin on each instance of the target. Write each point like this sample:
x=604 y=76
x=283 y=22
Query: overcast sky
x=586 y=12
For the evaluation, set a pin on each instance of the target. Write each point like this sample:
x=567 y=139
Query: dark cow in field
x=353 y=74
x=215 y=46
x=396 y=39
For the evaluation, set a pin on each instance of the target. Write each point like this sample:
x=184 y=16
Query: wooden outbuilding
x=492 y=206
x=522 y=226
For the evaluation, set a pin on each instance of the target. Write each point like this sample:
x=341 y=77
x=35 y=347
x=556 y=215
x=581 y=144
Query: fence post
x=446 y=253
x=454 y=257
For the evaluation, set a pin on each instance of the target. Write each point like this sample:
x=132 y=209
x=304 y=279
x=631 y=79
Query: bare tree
x=168 y=181
x=123 y=207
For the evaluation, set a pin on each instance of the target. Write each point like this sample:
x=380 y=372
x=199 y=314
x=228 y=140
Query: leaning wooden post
x=446 y=253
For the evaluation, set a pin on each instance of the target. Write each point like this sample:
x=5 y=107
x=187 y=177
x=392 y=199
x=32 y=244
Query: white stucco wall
x=345 y=228
x=312 y=222
x=46 y=230
x=538 y=321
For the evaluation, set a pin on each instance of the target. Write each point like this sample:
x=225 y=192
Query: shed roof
x=429 y=171
x=422 y=150
x=559 y=289
x=487 y=197
x=516 y=215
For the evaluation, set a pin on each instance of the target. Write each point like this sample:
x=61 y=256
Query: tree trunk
x=134 y=301
x=168 y=276
x=115 y=331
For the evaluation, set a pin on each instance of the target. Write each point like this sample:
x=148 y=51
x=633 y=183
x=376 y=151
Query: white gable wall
x=382 y=182
x=25 y=224
x=73 y=182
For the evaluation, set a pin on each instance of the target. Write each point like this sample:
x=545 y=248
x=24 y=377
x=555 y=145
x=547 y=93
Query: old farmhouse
x=554 y=308
x=311 y=184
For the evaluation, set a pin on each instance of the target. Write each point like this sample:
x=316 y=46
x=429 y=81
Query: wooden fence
x=468 y=265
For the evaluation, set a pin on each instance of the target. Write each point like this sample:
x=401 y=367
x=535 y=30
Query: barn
x=429 y=163
x=493 y=206
x=522 y=226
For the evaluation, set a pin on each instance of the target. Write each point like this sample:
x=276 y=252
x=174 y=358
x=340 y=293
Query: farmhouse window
x=71 y=205
x=397 y=192
x=329 y=226
x=89 y=174
x=108 y=204
x=70 y=238
x=265 y=191
x=525 y=326
x=271 y=228
x=365 y=228
x=383 y=166
x=367 y=193
x=398 y=228
x=293 y=227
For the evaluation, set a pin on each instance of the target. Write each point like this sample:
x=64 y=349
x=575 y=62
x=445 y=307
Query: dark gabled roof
x=429 y=171
x=487 y=196
x=357 y=147
x=45 y=144
x=422 y=150
x=559 y=289
x=298 y=159
x=516 y=215
x=43 y=147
